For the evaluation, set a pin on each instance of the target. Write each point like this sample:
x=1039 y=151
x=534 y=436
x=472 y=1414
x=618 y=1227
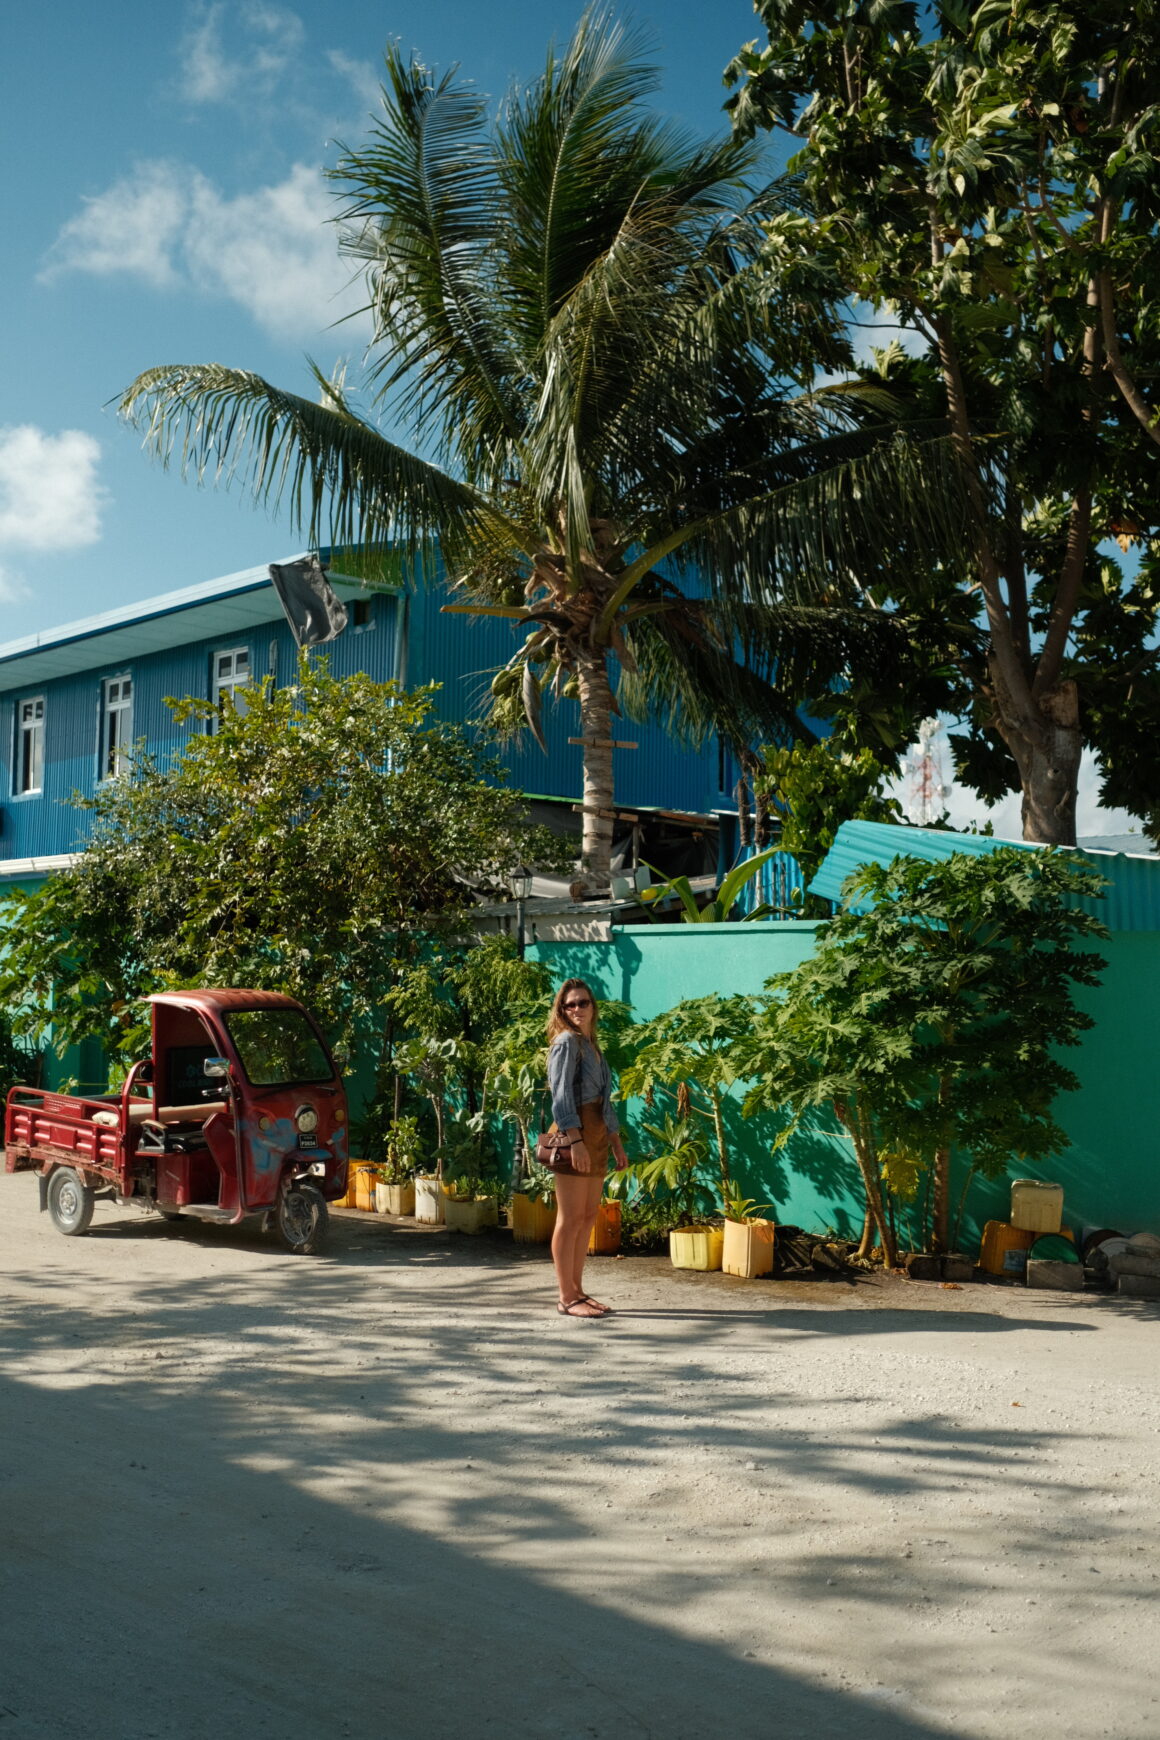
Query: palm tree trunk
x=596 y=713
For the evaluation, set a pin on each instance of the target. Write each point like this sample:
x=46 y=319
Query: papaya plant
x=688 y=1056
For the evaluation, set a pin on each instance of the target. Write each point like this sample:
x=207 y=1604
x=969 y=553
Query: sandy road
x=388 y=1493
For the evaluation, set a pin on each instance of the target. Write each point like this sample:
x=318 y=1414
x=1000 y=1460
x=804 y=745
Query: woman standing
x=580 y=1084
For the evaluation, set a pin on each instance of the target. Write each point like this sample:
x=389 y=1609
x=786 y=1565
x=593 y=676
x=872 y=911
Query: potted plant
x=687 y=1055
x=360 y=1190
x=470 y=1188
x=604 y=1239
x=748 y=1244
x=695 y=1241
x=395 y=1173
x=534 y=1206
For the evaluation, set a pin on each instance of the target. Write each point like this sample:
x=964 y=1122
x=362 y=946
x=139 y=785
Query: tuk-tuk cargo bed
x=46 y=1128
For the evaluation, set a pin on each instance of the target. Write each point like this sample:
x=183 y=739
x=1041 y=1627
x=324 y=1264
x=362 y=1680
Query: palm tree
x=573 y=319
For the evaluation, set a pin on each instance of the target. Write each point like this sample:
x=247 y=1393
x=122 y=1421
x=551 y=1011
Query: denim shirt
x=595 y=1082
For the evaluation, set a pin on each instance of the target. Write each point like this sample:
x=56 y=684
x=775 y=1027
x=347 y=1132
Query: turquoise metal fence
x=778 y=884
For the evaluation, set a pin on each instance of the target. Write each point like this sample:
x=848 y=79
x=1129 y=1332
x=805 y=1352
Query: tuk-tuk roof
x=220 y=1002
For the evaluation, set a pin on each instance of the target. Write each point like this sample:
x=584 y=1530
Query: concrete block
x=956 y=1267
x=1140 y=1286
x=1058 y=1277
x=922 y=1268
x=1127 y=1263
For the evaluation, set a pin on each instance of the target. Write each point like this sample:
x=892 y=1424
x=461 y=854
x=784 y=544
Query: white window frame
x=116 y=726
x=225 y=682
x=28 y=747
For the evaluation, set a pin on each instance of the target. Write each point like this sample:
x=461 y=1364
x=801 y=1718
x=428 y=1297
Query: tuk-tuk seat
x=142 y=1111
x=196 y=1114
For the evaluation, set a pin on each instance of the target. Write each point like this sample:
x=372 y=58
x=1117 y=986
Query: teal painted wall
x=1111 y=1173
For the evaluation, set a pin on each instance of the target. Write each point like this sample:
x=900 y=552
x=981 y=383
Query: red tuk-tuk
x=239 y=1111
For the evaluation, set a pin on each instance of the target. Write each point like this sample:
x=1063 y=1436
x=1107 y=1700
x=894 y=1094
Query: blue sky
x=165 y=204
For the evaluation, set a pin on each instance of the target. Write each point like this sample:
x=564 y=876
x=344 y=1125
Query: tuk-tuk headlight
x=306 y=1118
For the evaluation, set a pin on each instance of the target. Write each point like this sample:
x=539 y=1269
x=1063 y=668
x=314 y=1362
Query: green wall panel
x=1111 y=1172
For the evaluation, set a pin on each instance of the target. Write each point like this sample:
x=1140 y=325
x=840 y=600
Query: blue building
x=75 y=699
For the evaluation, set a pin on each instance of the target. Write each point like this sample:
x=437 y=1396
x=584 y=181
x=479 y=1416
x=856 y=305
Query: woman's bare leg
x=594 y=1191
x=570 y=1239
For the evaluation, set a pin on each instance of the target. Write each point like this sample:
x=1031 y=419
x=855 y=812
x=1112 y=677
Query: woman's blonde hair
x=558 y=1021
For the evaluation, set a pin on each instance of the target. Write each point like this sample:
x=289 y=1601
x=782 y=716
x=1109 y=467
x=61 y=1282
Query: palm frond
x=340 y=480
x=694 y=687
x=425 y=200
x=895 y=511
x=743 y=669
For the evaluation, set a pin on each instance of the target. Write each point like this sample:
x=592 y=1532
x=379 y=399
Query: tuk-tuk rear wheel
x=70 y=1202
x=302 y=1219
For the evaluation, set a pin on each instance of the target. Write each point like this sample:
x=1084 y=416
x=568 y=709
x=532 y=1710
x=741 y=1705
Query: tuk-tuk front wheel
x=302 y=1219
x=70 y=1202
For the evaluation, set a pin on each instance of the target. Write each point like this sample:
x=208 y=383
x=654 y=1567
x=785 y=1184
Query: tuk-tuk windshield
x=278 y=1046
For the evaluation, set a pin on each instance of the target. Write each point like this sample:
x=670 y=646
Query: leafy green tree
x=576 y=327
x=20 y=1065
x=309 y=844
x=814 y=790
x=931 y=1018
x=984 y=172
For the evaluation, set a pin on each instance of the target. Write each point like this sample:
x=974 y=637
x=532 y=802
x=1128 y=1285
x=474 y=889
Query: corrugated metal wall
x=463 y=652
x=1130 y=902
x=407 y=637
x=48 y=823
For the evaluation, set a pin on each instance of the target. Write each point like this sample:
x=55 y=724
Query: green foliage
x=537 y=1182
x=646 y=1221
x=717 y=910
x=469 y=1032
x=687 y=1056
x=743 y=1208
x=934 y=1017
x=666 y=1191
x=20 y=1065
x=986 y=177
x=817 y=789
x=304 y=845
x=400 y=1144
x=468 y=1161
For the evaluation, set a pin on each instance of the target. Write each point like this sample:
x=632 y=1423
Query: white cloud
x=263 y=43
x=133 y=227
x=50 y=498
x=274 y=251
x=13 y=589
x=360 y=75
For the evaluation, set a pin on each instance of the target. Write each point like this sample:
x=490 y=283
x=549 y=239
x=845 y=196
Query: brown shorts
x=595 y=1133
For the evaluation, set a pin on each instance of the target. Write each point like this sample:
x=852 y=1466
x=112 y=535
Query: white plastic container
x=470 y=1214
x=1035 y=1206
x=429 y=1200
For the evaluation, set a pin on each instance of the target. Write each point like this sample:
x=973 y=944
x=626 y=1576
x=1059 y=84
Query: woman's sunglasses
x=578 y=1003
